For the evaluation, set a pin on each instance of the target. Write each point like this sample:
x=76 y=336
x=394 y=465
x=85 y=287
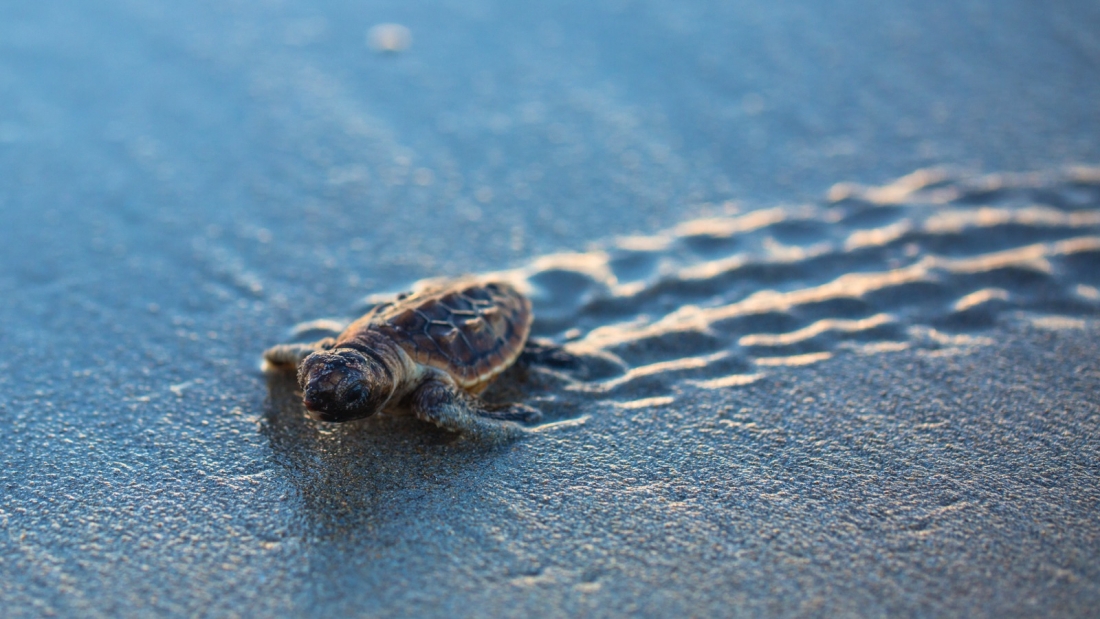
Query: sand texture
x=831 y=275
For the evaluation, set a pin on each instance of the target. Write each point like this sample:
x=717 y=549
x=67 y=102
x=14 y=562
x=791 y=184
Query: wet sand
x=837 y=295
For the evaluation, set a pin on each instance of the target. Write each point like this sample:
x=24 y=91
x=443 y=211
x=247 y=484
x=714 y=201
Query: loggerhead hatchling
x=427 y=354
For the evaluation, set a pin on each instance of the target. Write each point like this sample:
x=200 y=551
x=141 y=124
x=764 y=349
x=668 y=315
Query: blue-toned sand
x=834 y=271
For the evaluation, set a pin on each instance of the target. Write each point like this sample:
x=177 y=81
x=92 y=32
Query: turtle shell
x=471 y=330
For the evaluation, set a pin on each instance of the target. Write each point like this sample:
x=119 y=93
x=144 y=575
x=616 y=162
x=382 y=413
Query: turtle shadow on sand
x=366 y=472
x=349 y=474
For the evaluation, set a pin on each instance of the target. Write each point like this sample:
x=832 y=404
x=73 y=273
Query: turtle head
x=343 y=384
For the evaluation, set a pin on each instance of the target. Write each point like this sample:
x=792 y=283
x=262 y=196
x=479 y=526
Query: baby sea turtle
x=427 y=354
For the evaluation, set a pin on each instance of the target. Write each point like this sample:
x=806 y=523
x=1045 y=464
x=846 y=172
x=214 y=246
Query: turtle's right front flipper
x=287 y=357
x=452 y=409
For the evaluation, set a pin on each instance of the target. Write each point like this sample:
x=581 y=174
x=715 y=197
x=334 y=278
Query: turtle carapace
x=427 y=354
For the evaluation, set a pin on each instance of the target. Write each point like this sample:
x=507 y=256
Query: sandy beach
x=833 y=274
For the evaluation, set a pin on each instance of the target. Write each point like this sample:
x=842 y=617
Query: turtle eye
x=353 y=394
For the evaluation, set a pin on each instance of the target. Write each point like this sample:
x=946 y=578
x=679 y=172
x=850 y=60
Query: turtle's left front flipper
x=287 y=357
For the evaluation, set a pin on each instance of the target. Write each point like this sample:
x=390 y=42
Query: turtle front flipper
x=287 y=357
x=452 y=409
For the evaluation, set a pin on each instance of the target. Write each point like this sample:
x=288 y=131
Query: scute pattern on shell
x=472 y=330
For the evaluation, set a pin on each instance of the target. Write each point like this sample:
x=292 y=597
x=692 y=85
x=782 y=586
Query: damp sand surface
x=829 y=409
x=880 y=403
x=838 y=328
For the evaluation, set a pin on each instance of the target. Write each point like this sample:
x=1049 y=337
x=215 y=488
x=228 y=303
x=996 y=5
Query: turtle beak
x=313 y=400
x=317 y=394
x=320 y=406
x=335 y=388
x=316 y=401
x=342 y=402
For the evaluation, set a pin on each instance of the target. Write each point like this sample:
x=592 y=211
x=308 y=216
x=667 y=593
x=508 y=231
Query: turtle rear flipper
x=547 y=353
x=512 y=412
x=584 y=365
